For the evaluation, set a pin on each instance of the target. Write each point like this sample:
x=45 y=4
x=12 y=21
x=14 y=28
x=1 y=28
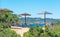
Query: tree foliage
x=7 y=18
x=58 y=23
x=8 y=33
x=39 y=32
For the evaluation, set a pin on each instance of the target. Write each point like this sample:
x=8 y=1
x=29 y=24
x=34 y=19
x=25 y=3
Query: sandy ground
x=20 y=30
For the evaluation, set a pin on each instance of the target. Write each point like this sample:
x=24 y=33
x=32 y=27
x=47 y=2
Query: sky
x=33 y=7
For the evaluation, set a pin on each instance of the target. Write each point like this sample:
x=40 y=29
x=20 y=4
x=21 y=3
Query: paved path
x=20 y=31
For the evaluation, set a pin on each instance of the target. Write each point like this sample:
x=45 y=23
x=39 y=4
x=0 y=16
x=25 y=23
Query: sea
x=29 y=25
x=32 y=25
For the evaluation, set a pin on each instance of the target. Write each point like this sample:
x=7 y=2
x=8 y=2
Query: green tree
x=7 y=18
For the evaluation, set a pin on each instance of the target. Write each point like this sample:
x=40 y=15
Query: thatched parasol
x=6 y=10
x=44 y=13
x=25 y=14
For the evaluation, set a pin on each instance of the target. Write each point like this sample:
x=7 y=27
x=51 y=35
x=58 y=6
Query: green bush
x=8 y=33
x=38 y=32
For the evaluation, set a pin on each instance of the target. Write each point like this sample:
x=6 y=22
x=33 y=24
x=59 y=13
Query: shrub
x=8 y=33
x=38 y=32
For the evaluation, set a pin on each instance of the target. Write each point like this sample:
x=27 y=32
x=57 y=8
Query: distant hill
x=33 y=20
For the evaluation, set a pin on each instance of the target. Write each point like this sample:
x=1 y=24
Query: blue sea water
x=32 y=25
x=37 y=25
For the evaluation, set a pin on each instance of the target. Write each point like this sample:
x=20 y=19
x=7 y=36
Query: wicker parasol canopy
x=45 y=12
x=25 y=14
x=7 y=10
